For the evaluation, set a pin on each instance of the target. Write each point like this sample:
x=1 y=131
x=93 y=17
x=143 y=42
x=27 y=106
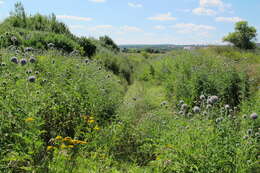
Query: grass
x=121 y=113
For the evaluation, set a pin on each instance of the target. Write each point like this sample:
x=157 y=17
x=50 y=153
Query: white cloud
x=98 y=1
x=127 y=28
x=74 y=18
x=190 y=27
x=163 y=17
x=211 y=3
x=203 y=11
x=160 y=27
x=134 y=5
x=228 y=19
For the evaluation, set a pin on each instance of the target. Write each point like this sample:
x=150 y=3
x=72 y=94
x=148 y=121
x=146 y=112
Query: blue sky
x=147 y=21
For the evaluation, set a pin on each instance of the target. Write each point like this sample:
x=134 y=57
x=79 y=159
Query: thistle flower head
x=254 y=116
x=202 y=97
x=184 y=107
x=32 y=60
x=14 y=60
x=196 y=109
x=23 y=61
x=31 y=79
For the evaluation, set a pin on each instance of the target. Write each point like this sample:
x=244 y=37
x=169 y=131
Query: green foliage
x=109 y=43
x=243 y=36
x=88 y=47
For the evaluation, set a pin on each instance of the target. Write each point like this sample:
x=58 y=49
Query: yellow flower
x=70 y=146
x=58 y=138
x=96 y=128
x=49 y=148
x=30 y=119
x=91 y=118
x=75 y=141
x=83 y=142
x=67 y=139
x=91 y=121
x=63 y=146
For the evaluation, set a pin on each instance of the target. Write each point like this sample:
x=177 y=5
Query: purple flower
x=32 y=60
x=14 y=60
x=254 y=116
x=196 y=109
x=23 y=61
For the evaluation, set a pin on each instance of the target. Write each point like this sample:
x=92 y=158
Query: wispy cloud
x=190 y=27
x=74 y=18
x=203 y=11
x=97 y=1
x=134 y=5
x=162 y=17
x=228 y=19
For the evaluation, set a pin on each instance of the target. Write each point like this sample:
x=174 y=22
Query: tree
x=244 y=36
x=109 y=43
x=19 y=15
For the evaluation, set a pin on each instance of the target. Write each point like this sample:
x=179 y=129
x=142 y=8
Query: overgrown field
x=194 y=111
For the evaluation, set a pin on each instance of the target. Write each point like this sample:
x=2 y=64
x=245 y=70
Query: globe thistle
x=28 y=71
x=23 y=61
x=50 y=45
x=108 y=76
x=28 y=49
x=32 y=60
x=227 y=107
x=189 y=114
x=218 y=120
x=209 y=106
x=204 y=113
x=181 y=113
x=212 y=99
x=254 y=116
x=196 y=109
x=202 y=97
x=184 y=107
x=14 y=60
x=181 y=102
x=99 y=68
x=3 y=64
x=244 y=116
x=164 y=103
x=86 y=61
x=13 y=39
x=37 y=72
x=31 y=79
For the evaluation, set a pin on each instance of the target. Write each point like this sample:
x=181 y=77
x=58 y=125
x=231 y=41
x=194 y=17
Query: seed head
x=31 y=79
x=196 y=109
x=14 y=60
x=254 y=116
x=32 y=60
x=227 y=107
x=23 y=61
x=184 y=107
x=202 y=97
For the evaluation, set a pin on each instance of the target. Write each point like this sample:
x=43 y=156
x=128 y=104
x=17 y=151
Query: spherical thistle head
x=32 y=79
x=244 y=116
x=209 y=106
x=202 y=97
x=164 y=103
x=3 y=64
x=28 y=71
x=23 y=61
x=184 y=107
x=250 y=132
x=14 y=60
x=32 y=60
x=218 y=120
x=227 y=107
x=37 y=72
x=254 y=116
x=13 y=38
x=196 y=109
x=212 y=99
x=86 y=61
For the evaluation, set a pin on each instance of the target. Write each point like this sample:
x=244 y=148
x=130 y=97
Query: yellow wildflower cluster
x=66 y=142
x=88 y=119
x=30 y=119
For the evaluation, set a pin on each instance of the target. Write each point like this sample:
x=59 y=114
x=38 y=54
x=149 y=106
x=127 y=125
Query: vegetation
x=181 y=111
x=243 y=37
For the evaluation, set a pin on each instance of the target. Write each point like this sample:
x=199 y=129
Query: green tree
x=244 y=36
x=109 y=43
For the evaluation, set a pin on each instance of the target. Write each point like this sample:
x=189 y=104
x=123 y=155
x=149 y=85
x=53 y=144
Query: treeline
x=46 y=32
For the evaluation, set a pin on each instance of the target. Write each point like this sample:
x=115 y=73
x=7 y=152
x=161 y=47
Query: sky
x=147 y=21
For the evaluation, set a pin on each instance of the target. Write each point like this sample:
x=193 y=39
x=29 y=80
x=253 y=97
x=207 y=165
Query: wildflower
x=208 y=106
x=254 y=116
x=28 y=49
x=181 y=102
x=23 y=61
x=184 y=107
x=244 y=116
x=202 y=97
x=196 y=109
x=31 y=79
x=58 y=138
x=67 y=139
x=189 y=114
x=30 y=119
x=14 y=60
x=29 y=71
x=91 y=121
x=70 y=146
x=83 y=142
x=212 y=99
x=86 y=61
x=181 y=113
x=63 y=146
x=96 y=128
x=13 y=39
x=204 y=113
x=49 y=148
x=37 y=72
x=218 y=120
x=227 y=107
x=163 y=103
x=3 y=64
x=32 y=60
x=50 y=45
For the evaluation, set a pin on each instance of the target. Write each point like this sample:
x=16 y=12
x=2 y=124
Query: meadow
x=80 y=105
